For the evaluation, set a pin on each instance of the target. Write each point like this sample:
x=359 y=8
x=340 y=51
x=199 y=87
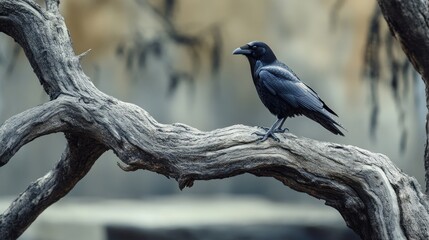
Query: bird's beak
x=242 y=51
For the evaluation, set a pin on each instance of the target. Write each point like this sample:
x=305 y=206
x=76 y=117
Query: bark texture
x=375 y=198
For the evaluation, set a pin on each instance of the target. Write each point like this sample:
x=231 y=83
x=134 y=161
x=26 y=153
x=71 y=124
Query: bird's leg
x=270 y=132
x=279 y=128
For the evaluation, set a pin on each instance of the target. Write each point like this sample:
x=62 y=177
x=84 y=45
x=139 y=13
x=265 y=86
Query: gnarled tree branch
x=375 y=198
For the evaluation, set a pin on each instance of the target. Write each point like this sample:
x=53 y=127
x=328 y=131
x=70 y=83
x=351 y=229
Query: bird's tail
x=324 y=119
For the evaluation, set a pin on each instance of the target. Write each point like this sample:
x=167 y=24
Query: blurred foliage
x=385 y=62
x=137 y=53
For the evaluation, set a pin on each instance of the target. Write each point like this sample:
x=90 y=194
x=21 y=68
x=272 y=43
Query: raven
x=281 y=91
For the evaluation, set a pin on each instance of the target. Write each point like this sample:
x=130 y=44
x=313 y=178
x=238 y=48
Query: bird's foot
x=277 y=130
x=265 y=136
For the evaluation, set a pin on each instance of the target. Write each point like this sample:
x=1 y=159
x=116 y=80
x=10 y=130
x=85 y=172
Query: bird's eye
x=254 y=47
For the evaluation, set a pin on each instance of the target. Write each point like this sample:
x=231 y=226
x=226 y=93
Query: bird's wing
x=281 y=82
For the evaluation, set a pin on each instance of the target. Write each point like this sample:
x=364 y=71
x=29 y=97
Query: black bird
x=281 y=91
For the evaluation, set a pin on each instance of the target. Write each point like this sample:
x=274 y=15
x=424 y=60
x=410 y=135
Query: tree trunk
x=376 y=199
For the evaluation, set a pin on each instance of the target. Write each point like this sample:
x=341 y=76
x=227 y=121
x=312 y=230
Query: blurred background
x=173 y=58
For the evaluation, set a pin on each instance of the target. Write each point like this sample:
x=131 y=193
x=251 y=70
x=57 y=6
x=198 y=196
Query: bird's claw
x=277 y=130
x=265 y=136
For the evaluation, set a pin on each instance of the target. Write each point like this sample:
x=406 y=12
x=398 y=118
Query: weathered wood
x=376 y=199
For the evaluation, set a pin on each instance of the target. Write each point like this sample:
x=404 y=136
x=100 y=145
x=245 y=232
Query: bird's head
x=256 y=51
